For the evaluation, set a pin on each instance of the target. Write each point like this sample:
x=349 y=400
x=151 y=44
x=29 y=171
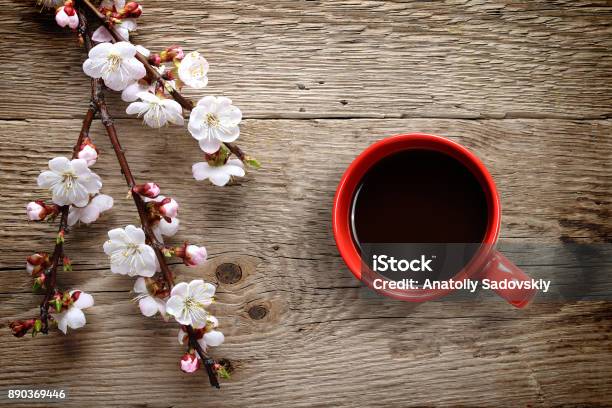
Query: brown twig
x=98 y=101
x=152 y=73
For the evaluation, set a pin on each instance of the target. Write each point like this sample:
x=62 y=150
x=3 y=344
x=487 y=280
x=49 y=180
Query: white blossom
x=156 y=111
x=148 y=303
x=218 y=175
x=70 y=181
x=91 y=211
x=213 y=121
x=211 y=337
x=193 y=70
x=115 y=64
x=128 y=252
x=74 y=316
x=187 y=302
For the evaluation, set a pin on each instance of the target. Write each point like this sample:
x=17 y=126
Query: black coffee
x=419 y=196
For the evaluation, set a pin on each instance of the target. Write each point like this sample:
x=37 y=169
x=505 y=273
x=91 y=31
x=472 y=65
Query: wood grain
x=345 y=58
x=320 y=325
x=525 y=85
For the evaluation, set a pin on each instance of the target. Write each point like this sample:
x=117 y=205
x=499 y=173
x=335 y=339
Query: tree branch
x=98 y=101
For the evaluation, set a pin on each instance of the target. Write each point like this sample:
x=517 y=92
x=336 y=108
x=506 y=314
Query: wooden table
x=526 y=85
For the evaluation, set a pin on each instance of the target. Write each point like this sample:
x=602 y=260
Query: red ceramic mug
x=486 y=263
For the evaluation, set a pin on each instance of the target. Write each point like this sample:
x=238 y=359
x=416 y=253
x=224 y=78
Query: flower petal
x=62 y=322
x=126 y=49
x=181 y=336
x=103 y=202
x=135 y=234
x=148 y=306
x=219 y=178
x=100 y=51
x=89 y=214
x=137 y=108
x=180 y=289
x=48 y=179
x=74 y=215
x=140 y=286
x=118 y=234
x=201 y=171
x=134 y=67
x=214 y=338
x=59 y=164
x=102 y=35
x=84 y=301
x=75 y=318
x=210 y=145
x=169 y=228
x=94 y=67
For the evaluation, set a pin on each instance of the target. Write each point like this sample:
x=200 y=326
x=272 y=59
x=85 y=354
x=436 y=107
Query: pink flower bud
x=89 y=154
x=66 y=16
x=190 y=362
x=192 y=255
x=34 y=211
x=195 y=255
x=150 y=190
x=168 y=208
x=38 y=210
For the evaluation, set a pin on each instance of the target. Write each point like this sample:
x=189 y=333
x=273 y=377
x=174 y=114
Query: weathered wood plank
x=321 y=331
x=442 y=354
x=557 y=191
x=342 y=58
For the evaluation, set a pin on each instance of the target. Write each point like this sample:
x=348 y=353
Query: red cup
x=486 y=263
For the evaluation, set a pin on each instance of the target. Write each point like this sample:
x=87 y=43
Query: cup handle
x=499 y=269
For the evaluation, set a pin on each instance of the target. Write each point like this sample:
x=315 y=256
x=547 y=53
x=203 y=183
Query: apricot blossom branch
x=42 y=267
x=152 y=214
x=145 y=81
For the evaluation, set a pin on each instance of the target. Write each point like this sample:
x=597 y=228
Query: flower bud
x=195 y=255
x=192 y=255
x=150 y=190
x=35 y=211
x=171 y=53
x=168 y=208
x=20 y=327
x=190 y=362
x=38 y=210
x=88 y=152
x=132 y=9
x=155 y=59
x=37 y=263
x=67 y=16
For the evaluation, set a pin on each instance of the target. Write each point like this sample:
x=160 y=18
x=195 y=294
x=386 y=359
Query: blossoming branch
x=152 y=83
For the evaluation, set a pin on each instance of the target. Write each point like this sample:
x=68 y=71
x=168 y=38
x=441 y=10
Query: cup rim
x=390 y=145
